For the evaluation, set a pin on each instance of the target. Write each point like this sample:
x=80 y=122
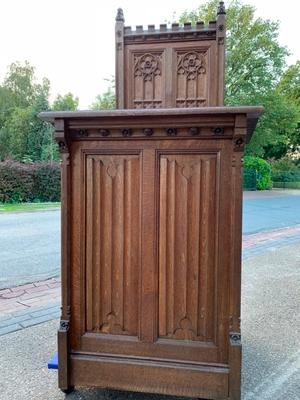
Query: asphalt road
x=263 y=211
x=30 y=242
x=29 y=247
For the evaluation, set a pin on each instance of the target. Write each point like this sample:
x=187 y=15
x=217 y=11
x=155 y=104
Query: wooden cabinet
x=151 y=221
x=151 y=249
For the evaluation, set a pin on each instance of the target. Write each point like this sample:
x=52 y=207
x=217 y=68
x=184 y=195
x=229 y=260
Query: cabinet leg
x=68 y=390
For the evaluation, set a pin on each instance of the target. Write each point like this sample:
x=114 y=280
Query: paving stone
x=37 y=289
x=15 y=320
x=45 y=311
x=22 y=287
x=4 y=291
x=28 y=296
x=54 y=285
x=10 y=328
x=35 y=321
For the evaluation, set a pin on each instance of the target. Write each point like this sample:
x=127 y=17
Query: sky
x=71 y=42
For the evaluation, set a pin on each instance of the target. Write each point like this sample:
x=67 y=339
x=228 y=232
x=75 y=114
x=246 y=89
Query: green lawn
x=23 y=207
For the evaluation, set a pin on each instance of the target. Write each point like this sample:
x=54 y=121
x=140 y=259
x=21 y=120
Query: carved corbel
x=240 y=132
x=60 y=136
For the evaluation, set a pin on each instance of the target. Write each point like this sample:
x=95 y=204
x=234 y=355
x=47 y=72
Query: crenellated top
x=175 y=32
x=169 y=66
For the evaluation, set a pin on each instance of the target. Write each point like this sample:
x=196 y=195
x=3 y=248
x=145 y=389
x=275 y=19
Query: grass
x=27 y=207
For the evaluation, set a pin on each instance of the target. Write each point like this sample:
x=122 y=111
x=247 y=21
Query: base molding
x=164 y=377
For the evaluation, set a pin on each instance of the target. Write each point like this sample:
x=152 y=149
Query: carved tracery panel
x=191 y=78
x=148 y=82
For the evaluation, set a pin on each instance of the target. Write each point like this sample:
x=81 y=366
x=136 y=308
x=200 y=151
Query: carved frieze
x=148 y=132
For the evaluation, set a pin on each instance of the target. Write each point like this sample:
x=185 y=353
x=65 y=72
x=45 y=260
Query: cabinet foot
x=68 y=390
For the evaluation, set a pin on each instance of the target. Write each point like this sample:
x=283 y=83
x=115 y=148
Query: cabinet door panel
x=112 y=243
x=187 y=247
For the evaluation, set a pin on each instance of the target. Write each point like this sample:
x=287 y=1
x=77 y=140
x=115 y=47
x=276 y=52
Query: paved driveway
x=30 y=242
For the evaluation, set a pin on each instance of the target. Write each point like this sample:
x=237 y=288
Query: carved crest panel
x=187 y=228
x=191 y=78
x=148 y=79
x=112 y=247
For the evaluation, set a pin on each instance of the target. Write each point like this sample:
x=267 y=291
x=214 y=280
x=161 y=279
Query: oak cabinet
x=151 y=221
x=151 y=249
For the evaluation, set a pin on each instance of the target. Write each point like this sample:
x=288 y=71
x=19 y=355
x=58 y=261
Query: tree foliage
x=289 y=84
x=105 y=101
x=23 y=135
x=255 y=63
x=65 y=103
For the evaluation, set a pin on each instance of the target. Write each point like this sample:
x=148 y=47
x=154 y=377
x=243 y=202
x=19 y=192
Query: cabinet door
x=192 y=280
x=147 y=279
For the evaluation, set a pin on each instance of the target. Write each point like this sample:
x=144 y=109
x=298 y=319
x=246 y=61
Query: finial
x=120 y=15
x=221 y=8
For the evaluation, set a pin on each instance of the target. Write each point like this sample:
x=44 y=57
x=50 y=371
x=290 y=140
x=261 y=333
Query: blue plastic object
x=53 y=362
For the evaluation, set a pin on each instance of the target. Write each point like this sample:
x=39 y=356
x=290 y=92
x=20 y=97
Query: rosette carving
x=148 y=66
x=192 y=64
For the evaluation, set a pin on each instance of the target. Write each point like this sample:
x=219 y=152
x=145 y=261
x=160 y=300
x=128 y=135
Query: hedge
x=287 y=185
x=263 y=171
x=37 y=182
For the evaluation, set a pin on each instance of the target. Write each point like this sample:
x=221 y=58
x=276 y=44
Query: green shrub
x=285 y=170
x=47 y=182
x=21 y=182
x=263 y=171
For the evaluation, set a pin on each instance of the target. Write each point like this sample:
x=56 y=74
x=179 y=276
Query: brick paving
x=28 y=305
x=34 y=303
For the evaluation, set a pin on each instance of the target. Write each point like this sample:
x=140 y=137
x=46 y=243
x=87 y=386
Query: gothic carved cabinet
x=170 y=67
x=151 y=222
x=151 y=240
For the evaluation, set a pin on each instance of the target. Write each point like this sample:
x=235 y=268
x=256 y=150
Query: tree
x=254 y=58
x=255 y=63
x=65 y=103
x=23 y=135
x=289 y=87
x=107 y=100
x=289 y=84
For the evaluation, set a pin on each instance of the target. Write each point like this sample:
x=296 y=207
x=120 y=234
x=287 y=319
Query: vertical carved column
x=235 y=346
x=119 y=35
x=63 y=332
x=221 y=35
